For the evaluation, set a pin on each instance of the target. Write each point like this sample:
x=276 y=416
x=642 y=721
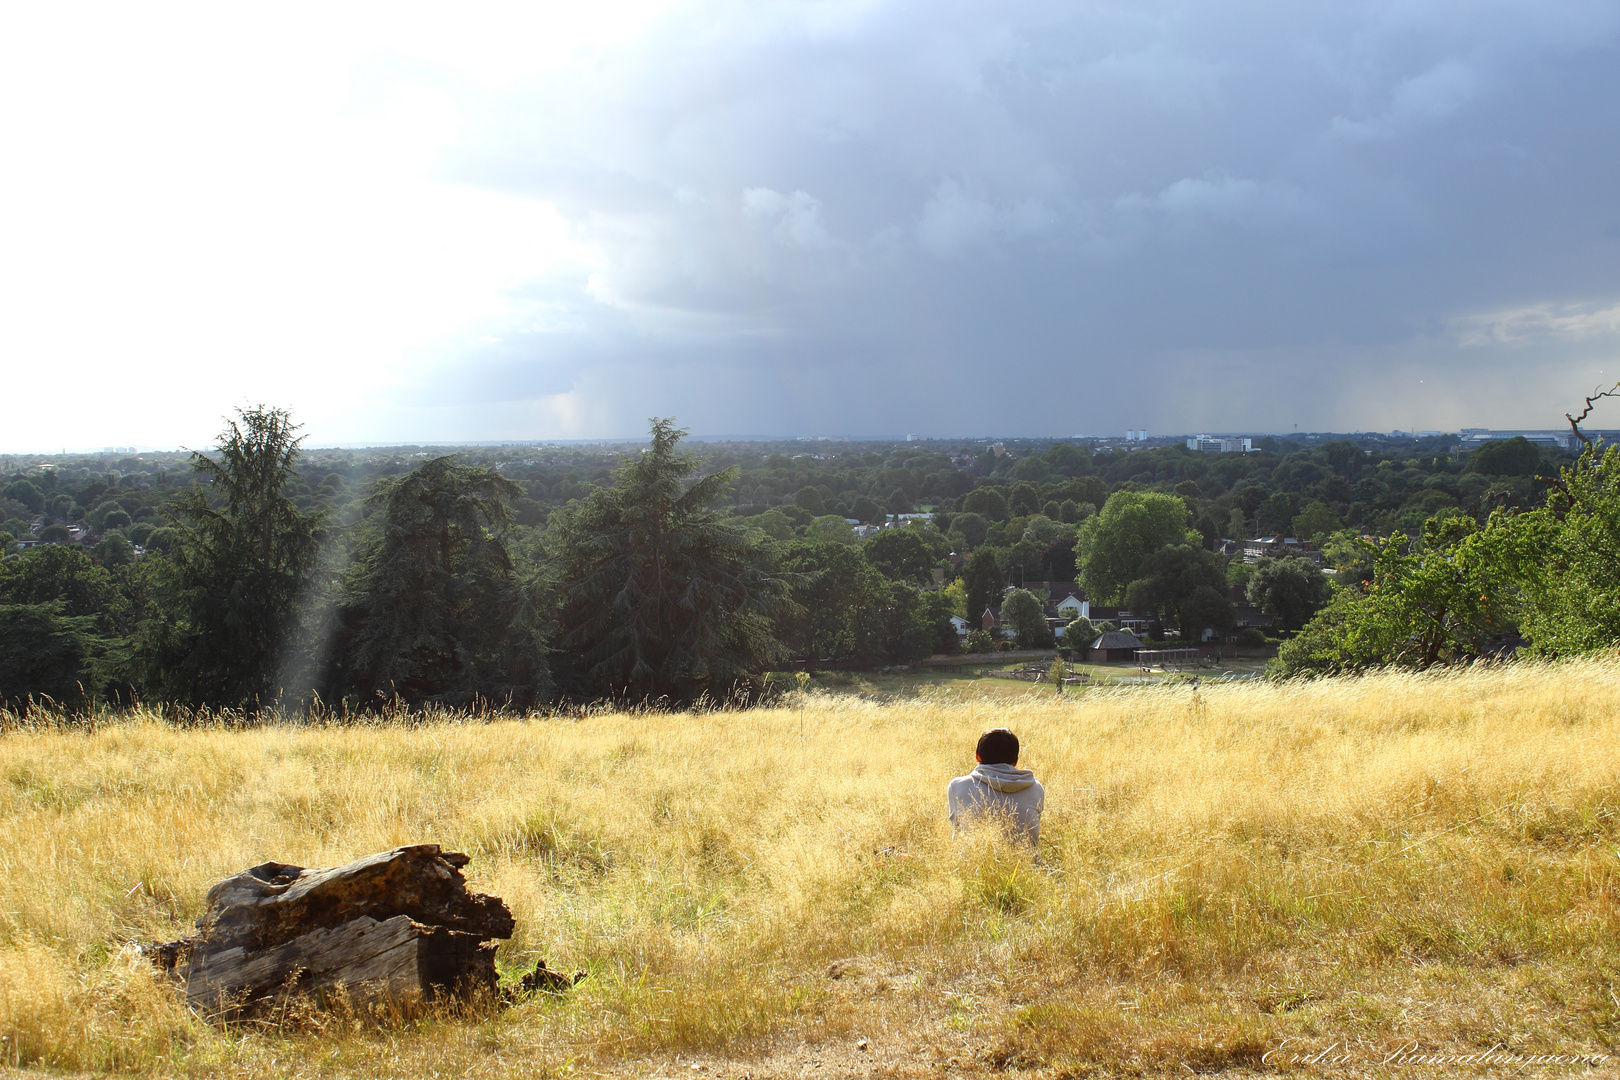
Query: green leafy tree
x=1041 y=531
x=1024 y=499
x=60 y=615
x=1206 y=608
x=988 y=502
x=1088 y=489
x=1079 y=634
x=773 y=523
x=98 y=516
x=1350 y=556
x=1436 y=600
x=830 y=527
x=1045 y=550
x=983 y=579
x=45 y=656
x=830 y=582
x=1344 y=457
x=1276 y=514
x=1056 y=672
x=164 y=540
x=64 y=575
x=437 y=610
x=867 y=510
x=1184 y=584
x=796 y=514
x=25 y=492
x=1565 y=558
x=245 y=555
x=901 y=555
x=1021 y=612
x=1316 y=521
x=1031 y=469
x=1517 y=456
x=808 y=498
x=979 y=641
x=660 y=595
x=1068 y=459
x=973 y=527
x=1114 y=545
x=1292 y=589
x=914 y=624
x=114 y=550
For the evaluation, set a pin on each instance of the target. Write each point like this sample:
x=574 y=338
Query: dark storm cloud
x=1048 y=218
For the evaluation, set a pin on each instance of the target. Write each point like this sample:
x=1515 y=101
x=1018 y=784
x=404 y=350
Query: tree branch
x=1591 y=400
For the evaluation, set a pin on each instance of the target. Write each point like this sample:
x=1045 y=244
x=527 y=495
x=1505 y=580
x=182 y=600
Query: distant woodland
x=260 y=574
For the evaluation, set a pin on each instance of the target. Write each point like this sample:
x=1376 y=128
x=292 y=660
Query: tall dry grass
x=1397 y=857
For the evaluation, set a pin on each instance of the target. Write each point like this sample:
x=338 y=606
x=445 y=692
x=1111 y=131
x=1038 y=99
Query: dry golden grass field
x=1239 y=878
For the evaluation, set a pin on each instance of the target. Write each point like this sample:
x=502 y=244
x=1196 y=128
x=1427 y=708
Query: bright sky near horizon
x=412 y=222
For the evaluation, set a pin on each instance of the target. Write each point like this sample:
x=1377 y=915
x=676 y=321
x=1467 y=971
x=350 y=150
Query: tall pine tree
x=660 y=596
x=234 y=581
x=437 y=610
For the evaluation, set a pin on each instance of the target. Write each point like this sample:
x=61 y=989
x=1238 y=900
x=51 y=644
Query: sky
x=439 y=223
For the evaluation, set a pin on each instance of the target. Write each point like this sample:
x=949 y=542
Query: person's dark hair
x=998 y=746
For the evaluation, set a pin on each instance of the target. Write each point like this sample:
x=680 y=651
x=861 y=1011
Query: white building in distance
x=1204 y=444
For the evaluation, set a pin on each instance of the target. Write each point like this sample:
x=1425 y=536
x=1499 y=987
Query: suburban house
x=1276 y=547
x=1124 y=618
x=1247 y=614
x=1061 y=601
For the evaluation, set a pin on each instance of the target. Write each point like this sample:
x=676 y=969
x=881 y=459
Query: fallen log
x=398 y=927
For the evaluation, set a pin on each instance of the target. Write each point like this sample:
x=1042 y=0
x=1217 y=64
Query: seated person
x=997 y=785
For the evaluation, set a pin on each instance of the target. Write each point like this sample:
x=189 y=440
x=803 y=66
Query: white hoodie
x=1004 y=789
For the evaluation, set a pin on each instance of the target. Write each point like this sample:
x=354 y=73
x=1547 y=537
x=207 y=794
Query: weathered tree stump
x=398 y=927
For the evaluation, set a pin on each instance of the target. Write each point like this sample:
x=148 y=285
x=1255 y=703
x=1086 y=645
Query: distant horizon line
x=1144 y=439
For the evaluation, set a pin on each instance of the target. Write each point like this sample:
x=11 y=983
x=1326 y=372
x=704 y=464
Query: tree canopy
x=1183 y=584
x=660 y=596
x=436 y=610
x=1114 y=544
x=1292 y=589
x=900 y=554
x=1021 y=612
x=245 y=556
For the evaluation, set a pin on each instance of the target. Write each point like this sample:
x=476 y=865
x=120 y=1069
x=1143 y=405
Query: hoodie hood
x=1008 y=778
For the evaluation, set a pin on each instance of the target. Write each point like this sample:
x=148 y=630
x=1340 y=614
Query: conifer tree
x=438 y=611
x=660 y=597
x=245 y=555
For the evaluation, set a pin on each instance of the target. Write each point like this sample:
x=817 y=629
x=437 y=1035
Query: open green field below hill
x=947 y=683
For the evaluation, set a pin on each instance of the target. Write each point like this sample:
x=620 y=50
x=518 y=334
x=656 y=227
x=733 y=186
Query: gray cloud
x=1043 y=217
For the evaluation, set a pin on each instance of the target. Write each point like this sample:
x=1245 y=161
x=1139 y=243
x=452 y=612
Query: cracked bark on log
x=398 y=927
